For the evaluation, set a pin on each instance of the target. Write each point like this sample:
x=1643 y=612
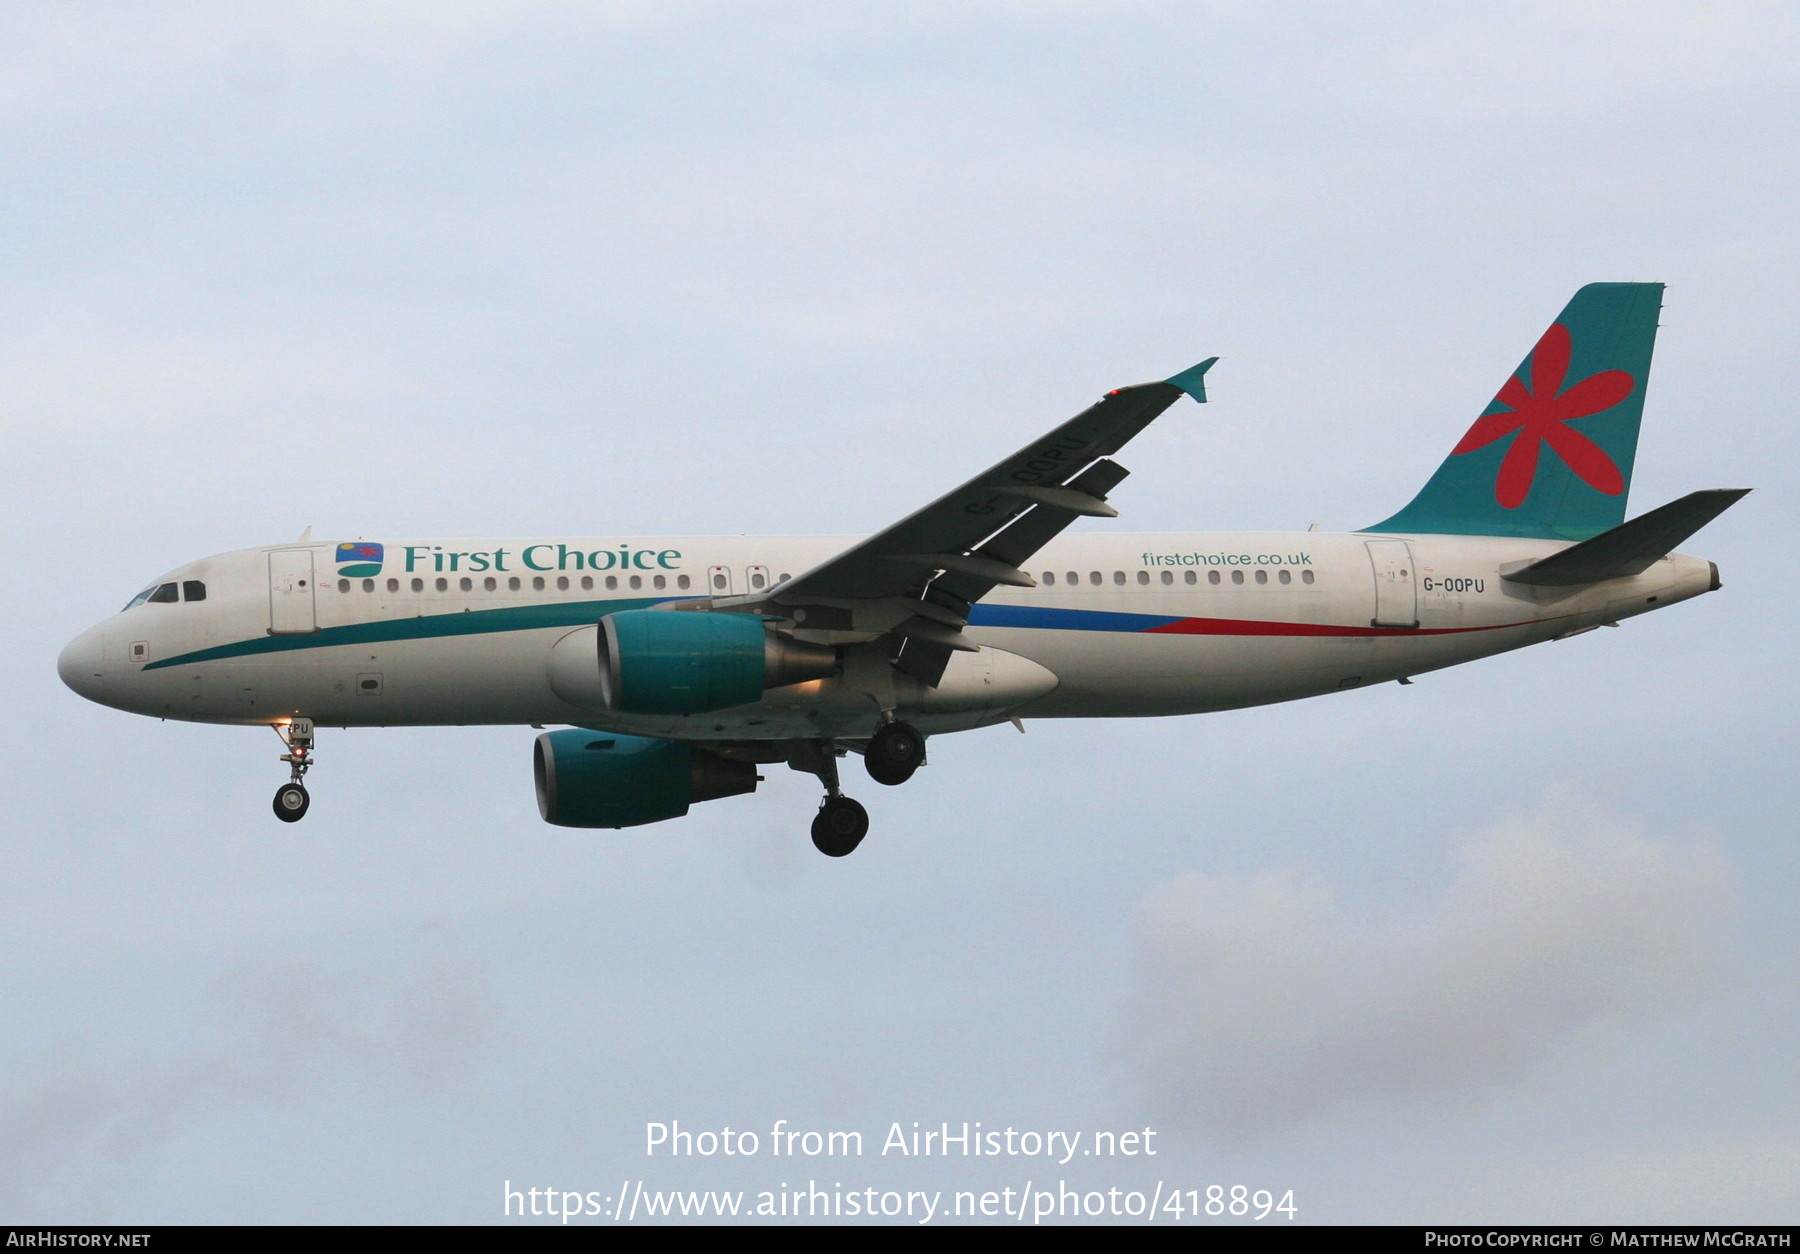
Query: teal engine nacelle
x=599 y=779
x=688 y=662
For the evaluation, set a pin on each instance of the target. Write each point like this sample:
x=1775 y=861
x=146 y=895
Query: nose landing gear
x=291 y=799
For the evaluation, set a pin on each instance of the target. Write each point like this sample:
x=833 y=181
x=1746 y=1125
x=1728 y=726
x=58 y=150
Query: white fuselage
x=501 y=631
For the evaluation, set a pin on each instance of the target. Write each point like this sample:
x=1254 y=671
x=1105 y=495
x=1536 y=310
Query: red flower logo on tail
x=1541 y=414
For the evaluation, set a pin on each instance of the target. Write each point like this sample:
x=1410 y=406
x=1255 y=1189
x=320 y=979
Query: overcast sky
x=1513 y=943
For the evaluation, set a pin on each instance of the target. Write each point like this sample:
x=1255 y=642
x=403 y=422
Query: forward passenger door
x=291 y=606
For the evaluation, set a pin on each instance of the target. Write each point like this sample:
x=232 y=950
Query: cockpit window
x=168 y=594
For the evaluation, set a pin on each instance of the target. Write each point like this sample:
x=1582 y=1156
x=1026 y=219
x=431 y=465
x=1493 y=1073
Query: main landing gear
x=291 y=799
x=892 y=754
x=840 y=824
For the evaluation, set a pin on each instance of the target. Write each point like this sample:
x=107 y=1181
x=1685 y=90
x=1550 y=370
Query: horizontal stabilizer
x=1631 y=548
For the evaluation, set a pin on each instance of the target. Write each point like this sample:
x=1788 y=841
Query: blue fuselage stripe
x=1051 y=619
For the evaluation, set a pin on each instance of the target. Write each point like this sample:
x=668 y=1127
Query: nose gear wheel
x=291 y=801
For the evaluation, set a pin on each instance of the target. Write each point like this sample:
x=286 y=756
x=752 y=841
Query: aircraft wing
x=918 y=577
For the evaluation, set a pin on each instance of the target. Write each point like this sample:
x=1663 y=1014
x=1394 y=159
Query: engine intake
x=687 y=662
x=599 y=779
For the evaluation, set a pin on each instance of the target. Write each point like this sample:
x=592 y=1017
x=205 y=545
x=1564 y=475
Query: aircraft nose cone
x=82 y=665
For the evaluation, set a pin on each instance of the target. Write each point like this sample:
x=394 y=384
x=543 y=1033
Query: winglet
x=1193 y=379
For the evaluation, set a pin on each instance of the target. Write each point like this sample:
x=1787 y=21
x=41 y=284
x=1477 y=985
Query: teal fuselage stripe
x=421 y=627
x=587 y=613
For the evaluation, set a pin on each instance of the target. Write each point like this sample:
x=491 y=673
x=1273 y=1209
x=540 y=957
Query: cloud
x=1261 y=1004
x=294 y=1032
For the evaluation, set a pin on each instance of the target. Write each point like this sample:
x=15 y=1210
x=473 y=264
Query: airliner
x=674 y=668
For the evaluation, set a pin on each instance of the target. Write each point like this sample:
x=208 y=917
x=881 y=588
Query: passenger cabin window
x=1143 y=576
x=393 y=585
x=1168 y=576
x=343 y=585
x=1212 y=576
x=418 y=585
x=1094 y=578
x=490 y=584
x=537 y=583
x=1285 y=576
x=1049 y=579
x=1237 y=576
x=587 y=583
x=1193 y=577
x=612 y=583
x=562 y=583
x=512 y=584
x=466 y=584
x=1306 y=576
x=683 y=582
x=368 y=585
x=443 y=585
x=1262 y=576
x=193 y=590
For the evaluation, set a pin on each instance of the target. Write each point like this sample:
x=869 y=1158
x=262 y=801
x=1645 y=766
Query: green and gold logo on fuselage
x=359 y=559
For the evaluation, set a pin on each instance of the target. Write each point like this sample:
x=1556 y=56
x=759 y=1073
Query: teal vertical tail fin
x=1551 y=455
